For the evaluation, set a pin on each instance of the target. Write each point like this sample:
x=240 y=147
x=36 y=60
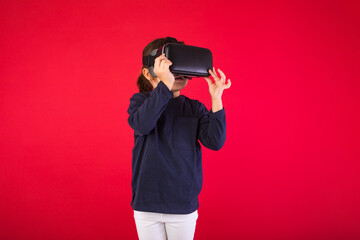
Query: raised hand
x=162 y=71
x=216 y=89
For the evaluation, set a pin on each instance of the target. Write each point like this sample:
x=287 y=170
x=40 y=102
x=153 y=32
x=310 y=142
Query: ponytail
x=143 y=84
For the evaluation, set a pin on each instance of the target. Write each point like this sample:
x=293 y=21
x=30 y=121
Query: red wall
x=289 y=168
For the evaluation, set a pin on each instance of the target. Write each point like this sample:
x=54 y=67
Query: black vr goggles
x=187 y=61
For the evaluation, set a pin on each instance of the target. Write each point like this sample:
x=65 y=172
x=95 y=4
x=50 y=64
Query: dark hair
x=143 y=84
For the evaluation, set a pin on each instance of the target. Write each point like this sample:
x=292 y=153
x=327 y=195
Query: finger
x=167 y=64
x=216 y=78
x=208 y=80
x=214 y=71
x=228 y=85
x=162 y=64
x=223 y=77
x=157 y=63
x=211 y=72
x=159 y=58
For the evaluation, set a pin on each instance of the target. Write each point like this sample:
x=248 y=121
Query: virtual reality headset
x=187 y=61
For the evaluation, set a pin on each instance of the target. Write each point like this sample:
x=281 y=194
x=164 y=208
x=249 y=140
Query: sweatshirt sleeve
x=212 y=128
x=144 y=111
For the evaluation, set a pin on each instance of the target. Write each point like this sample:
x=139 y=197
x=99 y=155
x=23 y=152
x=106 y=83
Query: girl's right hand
x=161 y=69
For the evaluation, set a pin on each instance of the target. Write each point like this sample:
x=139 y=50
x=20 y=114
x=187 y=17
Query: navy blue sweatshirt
x=166 y=159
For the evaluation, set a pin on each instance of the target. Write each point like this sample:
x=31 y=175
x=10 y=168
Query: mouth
x=177 y=77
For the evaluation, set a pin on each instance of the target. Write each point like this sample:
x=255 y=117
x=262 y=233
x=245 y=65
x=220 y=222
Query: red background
x=289 y=168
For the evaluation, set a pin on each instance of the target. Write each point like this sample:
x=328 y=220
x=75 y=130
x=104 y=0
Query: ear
x=147 y=74
x=153 y=81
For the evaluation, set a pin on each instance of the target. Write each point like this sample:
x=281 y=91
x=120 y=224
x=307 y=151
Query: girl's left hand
x=216 y=89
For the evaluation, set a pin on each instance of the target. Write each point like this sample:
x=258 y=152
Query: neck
x=176 y=94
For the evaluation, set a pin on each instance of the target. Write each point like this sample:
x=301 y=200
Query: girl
x=166 y=158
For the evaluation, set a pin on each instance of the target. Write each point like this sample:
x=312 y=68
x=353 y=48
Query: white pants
x=161 y=226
